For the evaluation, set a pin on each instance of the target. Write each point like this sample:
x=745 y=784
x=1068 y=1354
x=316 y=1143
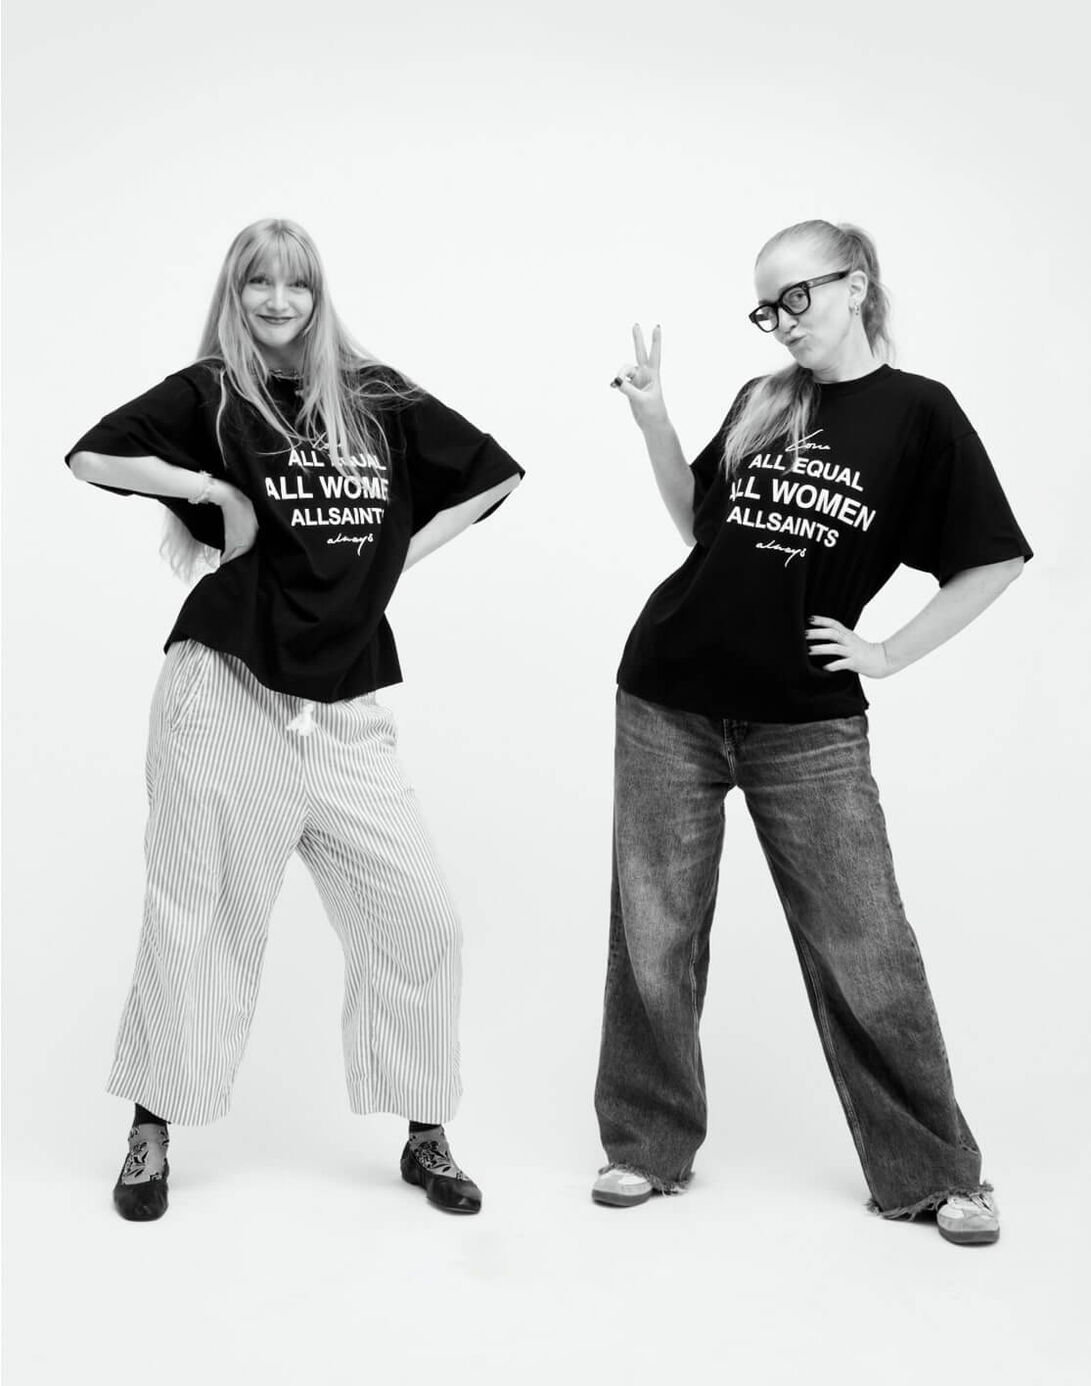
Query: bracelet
x=205 y=493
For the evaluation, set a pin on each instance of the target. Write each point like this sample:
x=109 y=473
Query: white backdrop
x=498 y=191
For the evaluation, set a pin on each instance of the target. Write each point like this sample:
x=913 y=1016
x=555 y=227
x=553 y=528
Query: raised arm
x=151 y=476
x=640 y=384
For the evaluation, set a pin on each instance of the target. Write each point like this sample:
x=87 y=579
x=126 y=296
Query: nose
x=278 y=299
x=785 y=322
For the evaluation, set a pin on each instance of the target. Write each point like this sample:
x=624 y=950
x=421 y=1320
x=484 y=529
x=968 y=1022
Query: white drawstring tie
x=303 y=722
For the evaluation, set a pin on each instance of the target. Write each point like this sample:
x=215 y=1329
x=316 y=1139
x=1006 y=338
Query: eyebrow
x=768 y=302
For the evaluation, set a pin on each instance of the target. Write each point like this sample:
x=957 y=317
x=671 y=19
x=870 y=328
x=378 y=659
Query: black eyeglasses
x=794 y=300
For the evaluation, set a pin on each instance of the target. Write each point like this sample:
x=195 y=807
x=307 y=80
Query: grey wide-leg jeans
x=810 y=792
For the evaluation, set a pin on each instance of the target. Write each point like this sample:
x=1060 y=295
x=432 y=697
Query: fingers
x=657 y=342
x=638 y=345
x=625 y=373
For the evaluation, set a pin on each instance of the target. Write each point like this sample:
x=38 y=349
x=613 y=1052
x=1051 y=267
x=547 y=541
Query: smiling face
x=828 y=334
x=277 y=305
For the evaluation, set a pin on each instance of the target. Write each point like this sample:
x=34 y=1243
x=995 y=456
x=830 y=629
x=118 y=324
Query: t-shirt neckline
x=851 y=387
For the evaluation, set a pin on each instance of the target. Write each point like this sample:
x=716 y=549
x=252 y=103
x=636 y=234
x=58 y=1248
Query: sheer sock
x=148 y=1142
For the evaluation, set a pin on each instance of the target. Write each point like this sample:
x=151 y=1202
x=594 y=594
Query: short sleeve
x=708 y=463
x=958 y=516
x=174 y=420
x=449 y=460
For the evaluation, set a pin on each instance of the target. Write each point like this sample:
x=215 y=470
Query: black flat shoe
x=429 y=1165
x=142 y=1202
x=147 y=1200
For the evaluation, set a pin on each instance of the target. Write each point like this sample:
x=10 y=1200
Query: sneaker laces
x=978 y=1201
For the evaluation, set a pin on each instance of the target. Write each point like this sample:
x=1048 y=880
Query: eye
x=301 y=284
x=258 y=279
x=795 y=300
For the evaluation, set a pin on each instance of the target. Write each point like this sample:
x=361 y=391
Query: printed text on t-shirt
x=310 y=477
x=806 y=486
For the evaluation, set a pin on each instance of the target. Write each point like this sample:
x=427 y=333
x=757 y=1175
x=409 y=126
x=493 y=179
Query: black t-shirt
x=891 y=472
x=303 y=609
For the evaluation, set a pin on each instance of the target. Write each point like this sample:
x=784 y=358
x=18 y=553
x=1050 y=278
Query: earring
x=856 y=309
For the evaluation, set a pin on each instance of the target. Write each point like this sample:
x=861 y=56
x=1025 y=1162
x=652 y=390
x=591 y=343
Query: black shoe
x=427 y=1162
x=142 y=1202
x=146 y=1201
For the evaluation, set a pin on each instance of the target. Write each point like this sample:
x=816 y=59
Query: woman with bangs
x=744 y=669
x=302 y=476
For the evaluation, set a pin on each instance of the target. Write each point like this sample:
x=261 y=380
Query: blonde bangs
x=278 y=245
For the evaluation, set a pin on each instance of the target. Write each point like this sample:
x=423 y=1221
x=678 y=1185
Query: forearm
x=150 y=476
x=672 y=474
x=442 y=528
x=958 y=602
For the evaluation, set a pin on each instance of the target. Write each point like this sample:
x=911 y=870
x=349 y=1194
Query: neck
x=287 y=360
x=856 y=359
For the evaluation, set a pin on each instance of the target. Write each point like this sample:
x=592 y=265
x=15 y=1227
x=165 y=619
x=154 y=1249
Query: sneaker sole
x=617 y=1200
x=982 y=1238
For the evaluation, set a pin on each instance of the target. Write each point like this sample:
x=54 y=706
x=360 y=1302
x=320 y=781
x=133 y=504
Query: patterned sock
x=147 y=1157
x=431 y=1151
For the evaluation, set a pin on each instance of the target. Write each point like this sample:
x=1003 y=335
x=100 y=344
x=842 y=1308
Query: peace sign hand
x=640 y=383
x=861 y=656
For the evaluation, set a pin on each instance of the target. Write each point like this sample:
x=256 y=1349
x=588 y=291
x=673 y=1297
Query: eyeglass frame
x=778 y=304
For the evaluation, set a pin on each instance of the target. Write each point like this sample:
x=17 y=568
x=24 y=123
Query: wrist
x=219 y=492
x=892 y=664
x=205 y=493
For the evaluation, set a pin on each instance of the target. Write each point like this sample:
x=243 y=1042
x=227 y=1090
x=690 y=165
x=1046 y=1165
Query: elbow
x=1008 y=571
x=82 y=465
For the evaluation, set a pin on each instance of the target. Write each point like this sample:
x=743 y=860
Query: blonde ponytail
x=782 y=404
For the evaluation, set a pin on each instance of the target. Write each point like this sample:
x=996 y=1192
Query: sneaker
x=621 y=1188
x=971 y=1220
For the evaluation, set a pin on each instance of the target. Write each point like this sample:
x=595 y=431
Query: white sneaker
x=621 y=1188
x=969 y=1220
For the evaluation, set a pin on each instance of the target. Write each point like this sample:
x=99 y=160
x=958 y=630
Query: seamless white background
x=499 y=191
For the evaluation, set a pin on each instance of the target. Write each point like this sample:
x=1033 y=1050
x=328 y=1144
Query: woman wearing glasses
x=744 y=669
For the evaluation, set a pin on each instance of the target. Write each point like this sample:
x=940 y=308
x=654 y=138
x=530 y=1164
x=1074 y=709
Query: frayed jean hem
x=663 y=1186
x=928 y=1204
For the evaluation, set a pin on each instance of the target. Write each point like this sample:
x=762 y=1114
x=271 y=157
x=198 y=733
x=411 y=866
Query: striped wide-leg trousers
x=238 y=778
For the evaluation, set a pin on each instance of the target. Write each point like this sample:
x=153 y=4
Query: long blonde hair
x=343 y=387
x=782 y=404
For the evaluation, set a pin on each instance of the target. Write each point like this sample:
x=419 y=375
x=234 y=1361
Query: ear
x=858 y=287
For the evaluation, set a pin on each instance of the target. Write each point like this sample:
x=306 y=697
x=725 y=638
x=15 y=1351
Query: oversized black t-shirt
x=891 y=472
x=304 y=608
